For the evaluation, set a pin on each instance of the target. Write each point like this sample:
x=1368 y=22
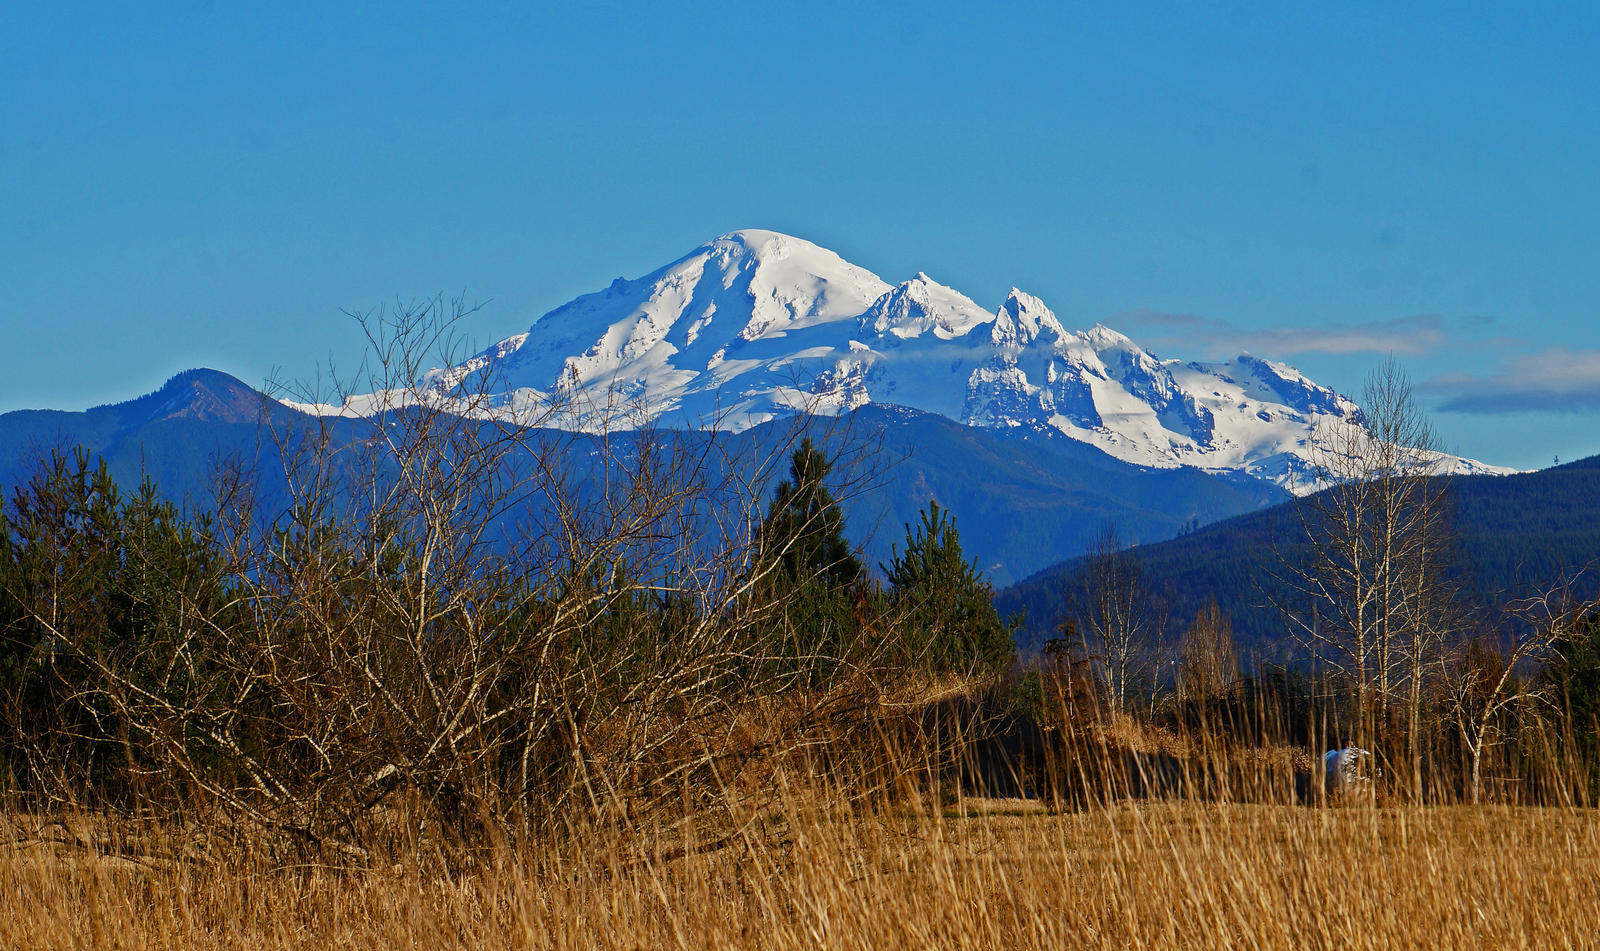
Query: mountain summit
x=755 y=325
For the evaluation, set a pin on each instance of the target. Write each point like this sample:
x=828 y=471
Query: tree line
x=400 y=632
x=1394 y=649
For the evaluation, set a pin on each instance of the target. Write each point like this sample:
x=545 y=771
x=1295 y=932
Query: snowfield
x=755 y=325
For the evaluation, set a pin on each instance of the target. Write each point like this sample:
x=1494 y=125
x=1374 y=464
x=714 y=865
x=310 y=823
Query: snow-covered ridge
x=756 y=324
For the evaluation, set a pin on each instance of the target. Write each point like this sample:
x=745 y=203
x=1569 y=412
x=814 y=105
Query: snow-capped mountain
x=755 y=325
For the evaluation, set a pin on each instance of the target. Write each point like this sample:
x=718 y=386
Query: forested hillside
x=1512 y=535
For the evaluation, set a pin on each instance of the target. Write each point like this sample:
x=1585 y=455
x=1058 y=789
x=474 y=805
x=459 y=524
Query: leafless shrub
x=1488 y=675
x=1208 y=660
x=465 y=611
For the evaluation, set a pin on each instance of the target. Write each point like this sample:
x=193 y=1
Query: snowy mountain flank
x=756 y=325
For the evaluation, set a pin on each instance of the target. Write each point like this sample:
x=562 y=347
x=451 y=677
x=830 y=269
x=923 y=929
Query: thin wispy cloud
x=1556 y=380
x=1402 y=336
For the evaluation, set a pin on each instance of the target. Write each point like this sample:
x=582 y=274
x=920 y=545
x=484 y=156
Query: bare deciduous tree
x=1368 y=594
x=1483 y=676
x=1116 y=613
x=1208 y=662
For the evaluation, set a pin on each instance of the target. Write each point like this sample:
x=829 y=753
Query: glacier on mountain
x=755 y=325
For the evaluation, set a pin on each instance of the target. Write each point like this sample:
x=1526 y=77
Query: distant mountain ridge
x=200 y=394
x=1026 y=503
x=1022 y=503
x=756 y=325
x=1511 y=537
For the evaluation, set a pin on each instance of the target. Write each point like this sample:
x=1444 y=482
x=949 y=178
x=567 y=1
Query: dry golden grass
x=1001 y=875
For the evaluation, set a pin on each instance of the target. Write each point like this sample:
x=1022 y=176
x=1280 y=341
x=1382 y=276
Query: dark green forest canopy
x=1514 y=535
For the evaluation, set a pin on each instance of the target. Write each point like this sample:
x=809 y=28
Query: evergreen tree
x=817 y=576
x=805 y=528
x=947 y=605
x=1574 y=674
x=61 y=560
x=101 y=601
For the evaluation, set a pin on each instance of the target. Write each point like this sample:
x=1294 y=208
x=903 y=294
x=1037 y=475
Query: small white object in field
x=1343 y=770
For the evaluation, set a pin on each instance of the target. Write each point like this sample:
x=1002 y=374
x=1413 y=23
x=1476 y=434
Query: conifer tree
x=1574 y=675
x=949 y=608
x=805 y=528
x=818 y=578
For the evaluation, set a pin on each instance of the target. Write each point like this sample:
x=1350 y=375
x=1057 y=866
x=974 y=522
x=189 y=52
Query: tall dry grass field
x=812 y=874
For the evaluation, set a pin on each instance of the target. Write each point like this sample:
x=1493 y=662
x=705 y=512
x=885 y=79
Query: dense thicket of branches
x=448 y=613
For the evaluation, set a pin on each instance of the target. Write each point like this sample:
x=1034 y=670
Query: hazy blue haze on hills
x=1021 y=503
x=1026 y=504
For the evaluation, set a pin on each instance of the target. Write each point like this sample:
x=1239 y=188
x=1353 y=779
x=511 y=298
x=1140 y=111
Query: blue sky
x=186 y=185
